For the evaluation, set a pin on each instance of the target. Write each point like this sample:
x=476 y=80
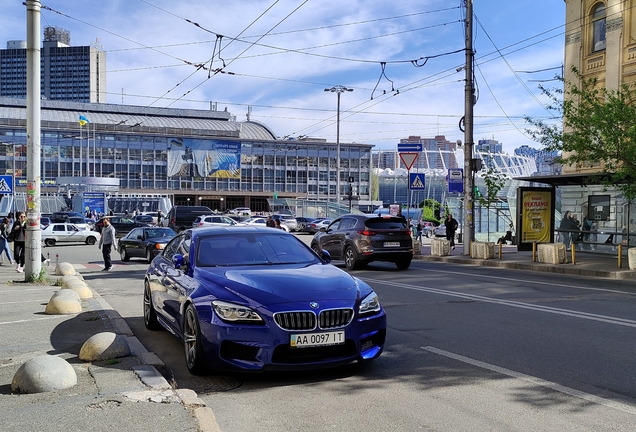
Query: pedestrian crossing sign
x=6 y=185
x=417 y=181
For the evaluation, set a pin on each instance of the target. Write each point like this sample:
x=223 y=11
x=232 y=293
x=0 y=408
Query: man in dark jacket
x=451 y=226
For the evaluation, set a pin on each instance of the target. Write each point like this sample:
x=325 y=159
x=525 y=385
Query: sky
x=403 y=61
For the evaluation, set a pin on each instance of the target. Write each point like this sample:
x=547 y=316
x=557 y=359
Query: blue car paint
x=266 y=289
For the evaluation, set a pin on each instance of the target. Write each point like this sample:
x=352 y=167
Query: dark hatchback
x=145 y=242
x=122 y=225
x=361 y=239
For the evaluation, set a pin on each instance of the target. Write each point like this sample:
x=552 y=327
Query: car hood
x=159 y=239
x=281 y=283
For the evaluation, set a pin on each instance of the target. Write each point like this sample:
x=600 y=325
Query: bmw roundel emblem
x=314 y=305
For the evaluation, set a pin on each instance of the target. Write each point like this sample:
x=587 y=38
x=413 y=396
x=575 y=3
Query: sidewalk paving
x=118 y=394
x=588 y=264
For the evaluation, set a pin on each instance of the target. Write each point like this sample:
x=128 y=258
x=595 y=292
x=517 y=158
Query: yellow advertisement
x=535 y=221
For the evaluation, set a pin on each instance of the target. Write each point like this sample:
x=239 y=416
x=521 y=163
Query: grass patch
x=111 y=361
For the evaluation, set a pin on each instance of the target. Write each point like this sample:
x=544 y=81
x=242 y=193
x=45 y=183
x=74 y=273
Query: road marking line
x=508 y=279
x=511 y=303
x=24 y=301
x=34 y=319
x=534 y=380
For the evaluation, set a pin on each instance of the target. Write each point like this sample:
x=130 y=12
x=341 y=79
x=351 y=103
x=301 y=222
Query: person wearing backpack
x=5 y=229
x=18 y=232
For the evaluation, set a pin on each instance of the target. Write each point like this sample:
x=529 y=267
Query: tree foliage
x=598 y=129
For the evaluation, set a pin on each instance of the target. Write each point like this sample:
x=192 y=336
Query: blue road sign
x=455 y=180
x=6 y=185
x=417 y=181
x=414 y=147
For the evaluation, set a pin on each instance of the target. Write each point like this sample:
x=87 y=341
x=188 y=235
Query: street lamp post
x=338 y=90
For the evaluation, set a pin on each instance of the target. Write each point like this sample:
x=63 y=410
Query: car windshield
x=160 y=232
x=243 y=249
x=385 y=223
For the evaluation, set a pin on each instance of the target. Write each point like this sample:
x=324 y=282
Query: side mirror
x=326 y=256
x=178 y=260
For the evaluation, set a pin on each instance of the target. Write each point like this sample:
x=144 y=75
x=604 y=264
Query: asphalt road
x=468 y=348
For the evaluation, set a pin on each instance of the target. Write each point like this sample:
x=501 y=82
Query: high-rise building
x=72 y=73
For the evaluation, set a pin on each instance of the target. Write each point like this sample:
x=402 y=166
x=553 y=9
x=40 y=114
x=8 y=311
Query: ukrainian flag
x=83 y=120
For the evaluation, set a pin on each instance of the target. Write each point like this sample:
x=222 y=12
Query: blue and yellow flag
x=83 y=120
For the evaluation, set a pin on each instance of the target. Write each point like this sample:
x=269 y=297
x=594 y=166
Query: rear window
x=385 y=223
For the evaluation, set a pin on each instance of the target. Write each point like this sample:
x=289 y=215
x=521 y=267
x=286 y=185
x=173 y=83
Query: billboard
x=535 y=216
x=189 y=157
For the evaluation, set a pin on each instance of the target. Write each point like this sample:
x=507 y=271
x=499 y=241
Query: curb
x=566 y=269
x=149 y=370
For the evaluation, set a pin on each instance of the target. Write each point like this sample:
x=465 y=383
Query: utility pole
x=468 y=227
x=33 y=243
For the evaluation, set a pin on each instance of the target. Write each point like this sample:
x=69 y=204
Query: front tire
x=350 y=259
x=149 y=256
x=150 y=316
x=91 y=241
x=49 y=242
x=192 y=342
x=124 y=255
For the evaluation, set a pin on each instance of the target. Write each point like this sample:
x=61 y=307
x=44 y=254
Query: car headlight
x=160 y=246
x=369 y=304
x=233 y=312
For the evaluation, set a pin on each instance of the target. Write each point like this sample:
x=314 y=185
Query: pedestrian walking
x=451 y=226
x=5 y=229
x=277 y=224
x=567 y=224
x=270 y=222
x=400 y=215
x=18 y=233
x=106 y=244
x=419 y=228
x=159 y=218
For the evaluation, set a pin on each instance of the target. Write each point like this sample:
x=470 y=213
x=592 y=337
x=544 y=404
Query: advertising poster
x=203 y=158
x=536 y=216
x=93 y=201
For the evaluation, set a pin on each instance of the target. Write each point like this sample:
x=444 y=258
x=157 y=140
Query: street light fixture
x=338 y=90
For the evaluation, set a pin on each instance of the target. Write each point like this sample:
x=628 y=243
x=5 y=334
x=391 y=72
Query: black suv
x=180 y=217
x=361 y=239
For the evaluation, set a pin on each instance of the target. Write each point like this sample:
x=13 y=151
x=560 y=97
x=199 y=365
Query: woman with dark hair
x=19 y=232
x=5 y=229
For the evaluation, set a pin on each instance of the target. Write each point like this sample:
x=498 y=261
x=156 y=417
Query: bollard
x=534 y=251
x=48 y=258
x=573 y=248
x=620 y=256
x=500 y=249
x=57 y=259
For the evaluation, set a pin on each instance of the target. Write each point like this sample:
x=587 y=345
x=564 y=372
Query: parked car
x=147 y=219
x=361 y=239
x=259 y=221
x=241 y=211
x=440 y=231
x=302 y=223
x=44 y=222
x=82 y=222
x=66 y=233
x=64 y=216
x=317 y=225
x=212 y=220
x=429 y=229
x=225 y=292
x=180 y=217
x=154 y=217
x=288 y=220
x=145 y=242
x=122 y=225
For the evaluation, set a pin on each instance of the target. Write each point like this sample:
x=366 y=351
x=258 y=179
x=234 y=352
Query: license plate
x=317 y=339
x=391 y=244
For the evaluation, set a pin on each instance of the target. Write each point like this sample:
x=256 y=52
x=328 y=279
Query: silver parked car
x=212 y=220
x=67 y=232
x=288 y=220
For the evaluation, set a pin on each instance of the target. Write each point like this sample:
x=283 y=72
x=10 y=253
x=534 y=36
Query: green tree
x=495 y=181
x=430 y=210
x=598 y=128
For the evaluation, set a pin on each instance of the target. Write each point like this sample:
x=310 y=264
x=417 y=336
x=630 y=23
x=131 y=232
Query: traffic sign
x=6 y=185
x=417 y=181
x=456 y=180
x=410 y=147
x=408 y=159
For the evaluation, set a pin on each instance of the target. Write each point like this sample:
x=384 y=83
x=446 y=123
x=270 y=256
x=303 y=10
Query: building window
x=598 y=27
